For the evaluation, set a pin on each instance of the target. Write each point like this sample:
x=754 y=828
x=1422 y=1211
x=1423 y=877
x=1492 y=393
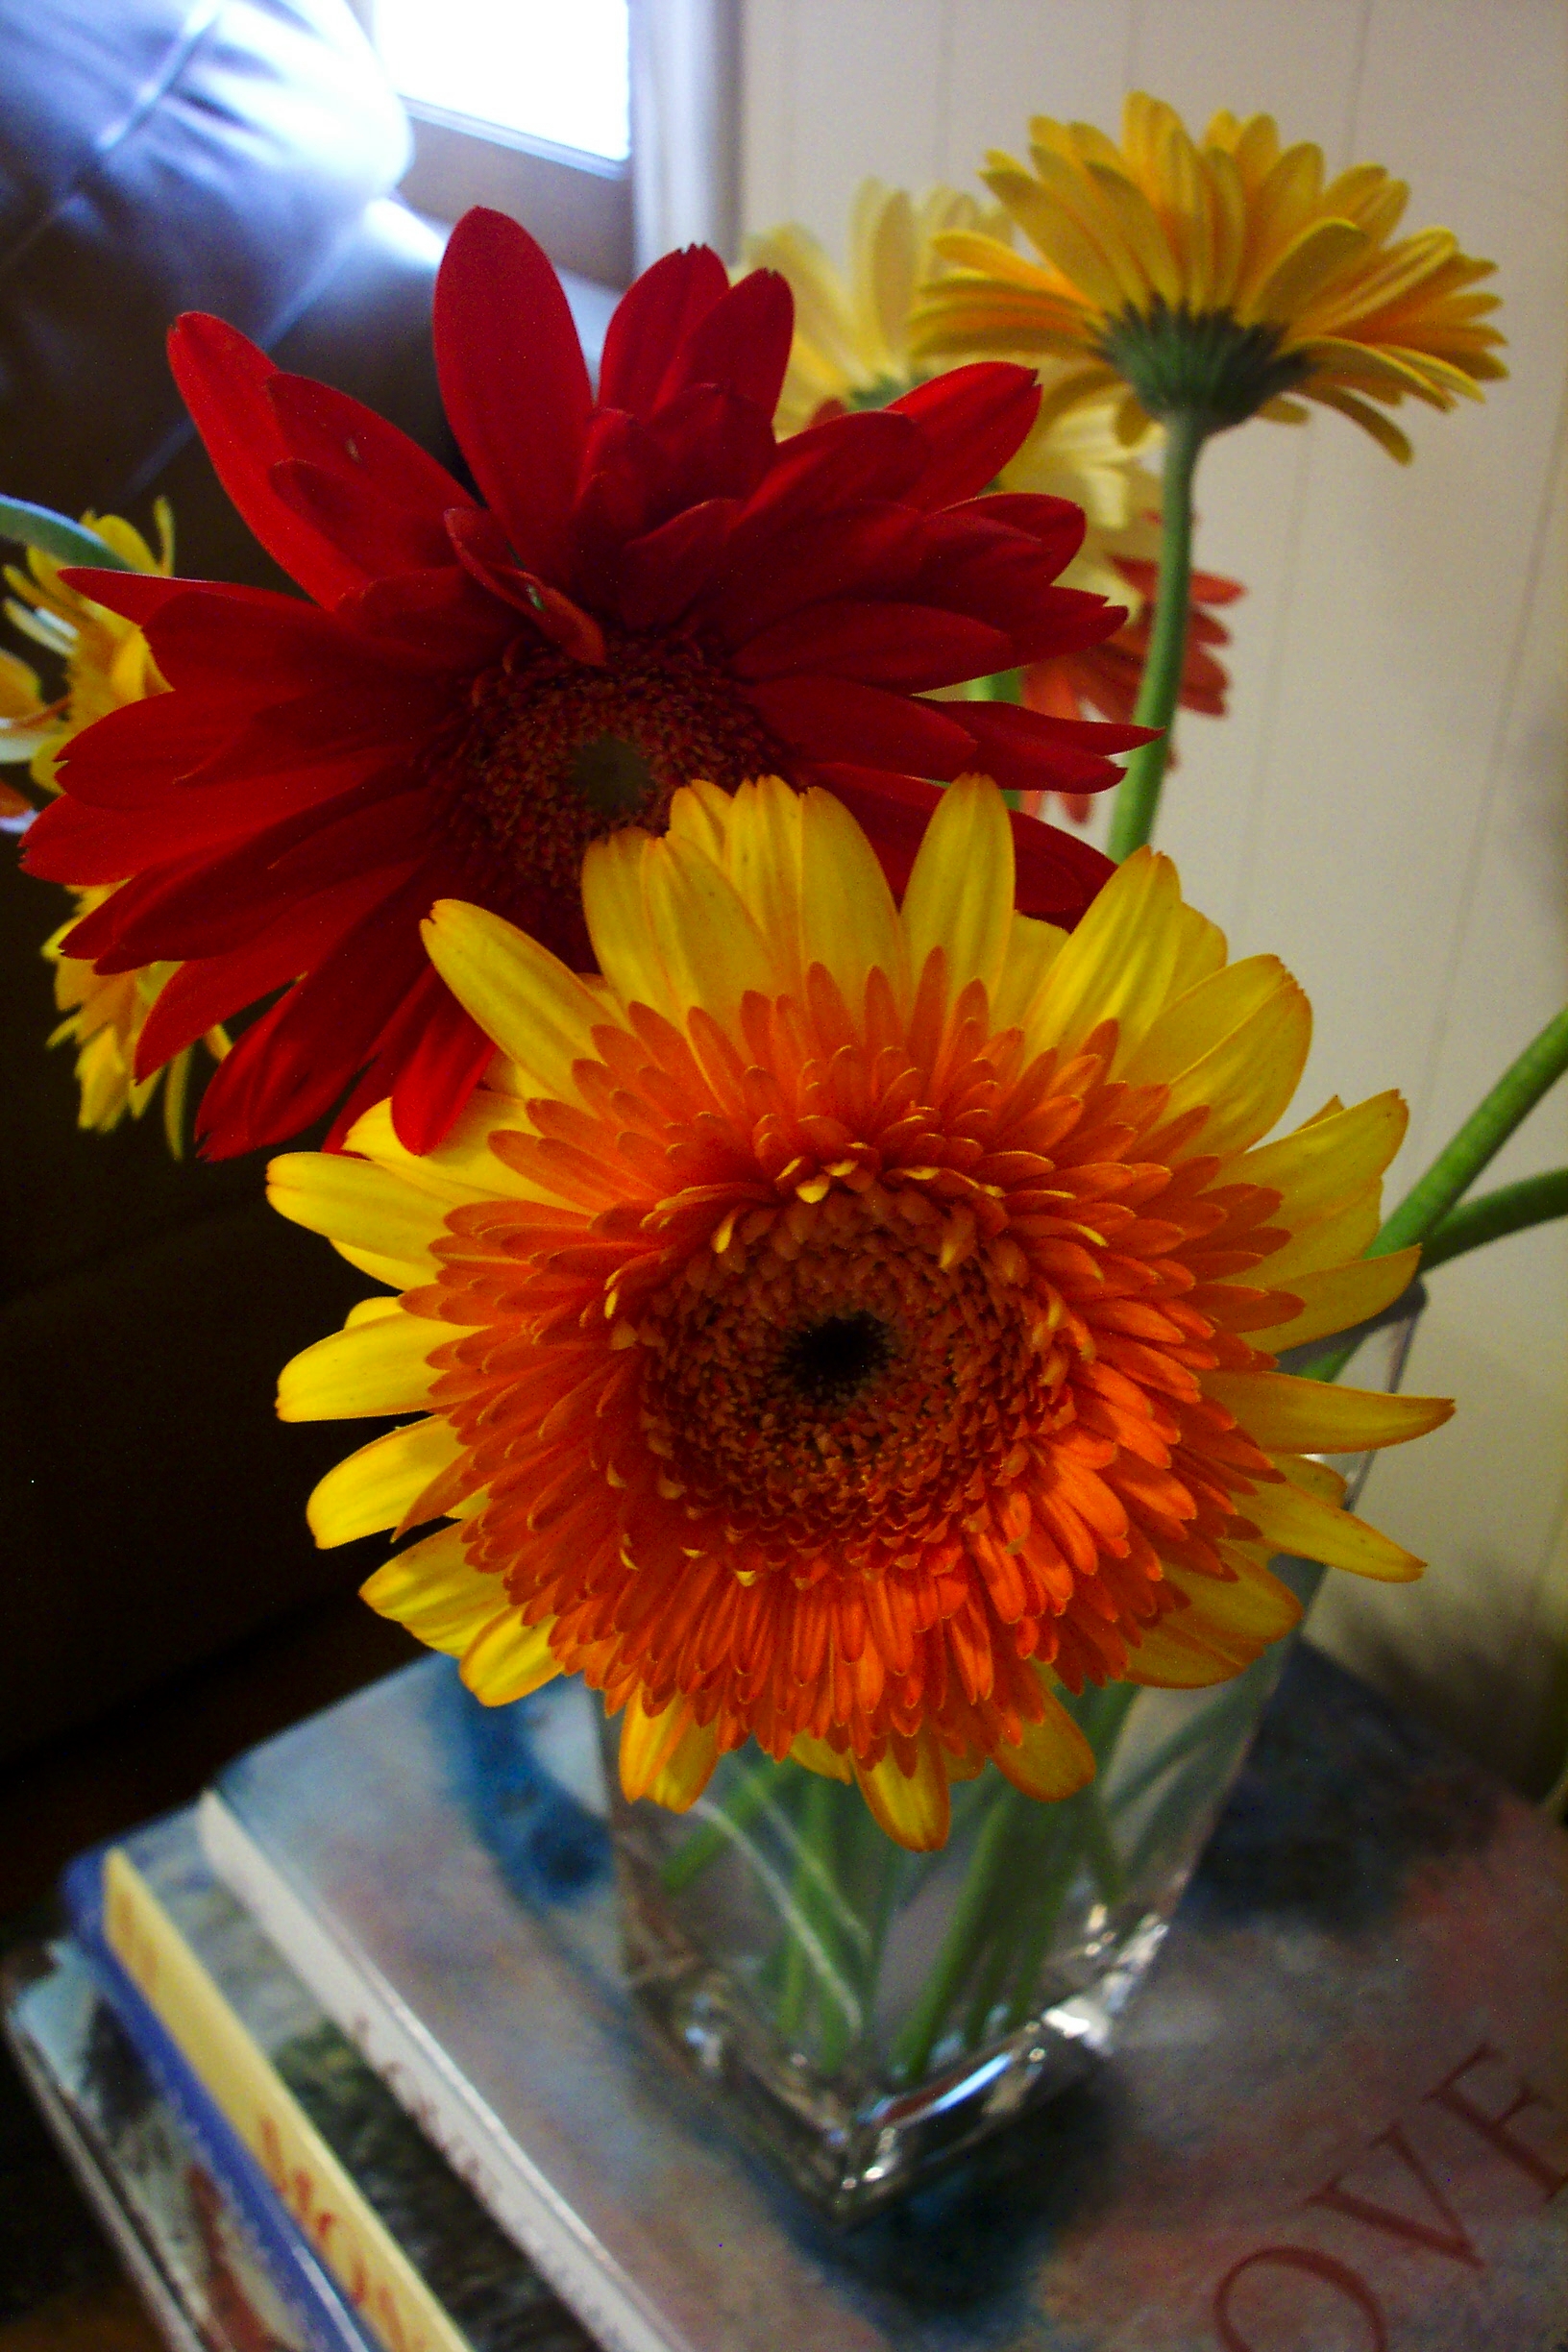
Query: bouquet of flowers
x=833 y=1268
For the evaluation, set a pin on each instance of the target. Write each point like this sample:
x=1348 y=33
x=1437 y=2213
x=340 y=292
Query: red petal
x=482 y=551
x=446 y=1066
x=742 y=343
x=330 y=429
x=513 y=380
x=707 y=442
x=652 y=322
x=1059 y=875
x=1026 y=751
x=907 y=646
x=834 y=719
x=261 y=651
x=876 y=456
x=375 y=532
x=208 y=908
x=213 y=987
x=1056 y=524
x=335 y=1016
x=974 y=420
x=130 y=757
x=661 y=573
x=224 y=379
x=135 y=595
x=862 y=549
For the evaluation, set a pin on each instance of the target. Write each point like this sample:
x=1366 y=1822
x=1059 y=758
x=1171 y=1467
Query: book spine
x=418 y=2074
x=320 y=2199
x=298 y=2276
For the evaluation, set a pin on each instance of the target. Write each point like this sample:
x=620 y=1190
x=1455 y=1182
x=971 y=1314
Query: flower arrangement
x=834 y=1263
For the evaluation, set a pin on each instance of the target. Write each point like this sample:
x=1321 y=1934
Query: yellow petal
x=1305 y=267
x=1249 y=1078
x=1225 y=1627
x=1118 y=959
x=848 y=920
x=1032 y=948
x=521 y=996
x=1338 y=1298
x=432 y=1589
x=507 y=1660
x=1053 y=1757
x=1303 y=1416
x=356 y=1202
x=666 y=1756
x=378 y=1367
x=1325 y=1162
x=1316 y=1478
x=915 y=1810
x=1294 y=1521
x=763 y=853
x=1194 y=1023
x=373 y=1488
x=818 y=1756
x=960 y=893
x=710 y=949
x=1329 y=1241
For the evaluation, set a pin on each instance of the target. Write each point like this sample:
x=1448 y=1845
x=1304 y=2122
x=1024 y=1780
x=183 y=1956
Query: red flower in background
x=646 y=591
x=1106 y=678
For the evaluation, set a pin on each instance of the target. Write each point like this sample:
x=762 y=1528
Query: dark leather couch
x=158 y=156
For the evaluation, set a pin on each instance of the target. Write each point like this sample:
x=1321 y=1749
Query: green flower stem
x=1138 y=795
x=1510 y=1209
x=966 y=1932
x=806 y=1906
x=1478 y=1140
x=1427 y=1204
x=730 y=1816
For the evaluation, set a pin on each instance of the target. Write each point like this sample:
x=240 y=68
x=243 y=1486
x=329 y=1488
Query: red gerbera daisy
x=645 y=591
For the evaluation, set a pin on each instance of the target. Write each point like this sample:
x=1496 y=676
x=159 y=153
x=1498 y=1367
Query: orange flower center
x=837 y=1385
x=556 y=753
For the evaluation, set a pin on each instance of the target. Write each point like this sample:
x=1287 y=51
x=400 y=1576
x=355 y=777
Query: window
x=522 y=105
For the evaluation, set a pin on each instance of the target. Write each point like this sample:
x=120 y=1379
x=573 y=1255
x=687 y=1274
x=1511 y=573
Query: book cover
x=417 y=2259
x=192 y=2249
x=1337 y=2115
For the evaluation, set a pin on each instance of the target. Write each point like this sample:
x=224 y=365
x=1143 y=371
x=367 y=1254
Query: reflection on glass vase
x=867 y=2015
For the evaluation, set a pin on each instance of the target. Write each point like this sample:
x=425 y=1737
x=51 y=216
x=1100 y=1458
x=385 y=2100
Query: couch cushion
x=210 y=155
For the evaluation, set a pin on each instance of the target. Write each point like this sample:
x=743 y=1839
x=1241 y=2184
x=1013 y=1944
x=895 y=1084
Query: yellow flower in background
x=107 y=661
x=851 y=328
x=106 y=665
x=1216 y=281
x=843 y=1325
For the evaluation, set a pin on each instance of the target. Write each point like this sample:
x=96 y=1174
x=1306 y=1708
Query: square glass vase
x=866 y=2016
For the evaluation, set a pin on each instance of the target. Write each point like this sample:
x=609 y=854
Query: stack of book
x=344 y=2058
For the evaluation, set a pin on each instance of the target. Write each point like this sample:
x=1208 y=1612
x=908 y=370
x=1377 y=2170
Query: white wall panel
x=1384 y=805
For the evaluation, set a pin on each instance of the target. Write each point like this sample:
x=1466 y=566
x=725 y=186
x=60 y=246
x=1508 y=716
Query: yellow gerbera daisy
x=108 y=664
x=1216 y=281
x=840 y=1324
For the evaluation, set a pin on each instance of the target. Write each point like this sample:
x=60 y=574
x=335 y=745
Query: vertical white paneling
x=1383 y=806
x=1299 y=64
x=1012 y=59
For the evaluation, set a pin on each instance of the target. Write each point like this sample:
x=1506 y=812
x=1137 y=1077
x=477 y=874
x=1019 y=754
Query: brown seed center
x=557 y=753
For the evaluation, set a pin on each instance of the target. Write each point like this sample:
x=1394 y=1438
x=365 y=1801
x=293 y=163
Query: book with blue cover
x=1337 y=2113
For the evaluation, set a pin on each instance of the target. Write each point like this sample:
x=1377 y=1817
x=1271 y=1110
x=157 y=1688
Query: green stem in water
x=1510 y=1209
x=1138 y=795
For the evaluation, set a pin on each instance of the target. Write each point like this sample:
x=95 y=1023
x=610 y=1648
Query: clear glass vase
x=865 y=2015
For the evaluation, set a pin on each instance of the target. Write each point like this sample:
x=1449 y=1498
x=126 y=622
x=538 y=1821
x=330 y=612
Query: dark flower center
x=557 y=753
x=833 y=1362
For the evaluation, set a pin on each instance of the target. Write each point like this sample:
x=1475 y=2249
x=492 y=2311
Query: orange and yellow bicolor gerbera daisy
x=1216 y=280
x=842 y=1324
x=107 y=666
